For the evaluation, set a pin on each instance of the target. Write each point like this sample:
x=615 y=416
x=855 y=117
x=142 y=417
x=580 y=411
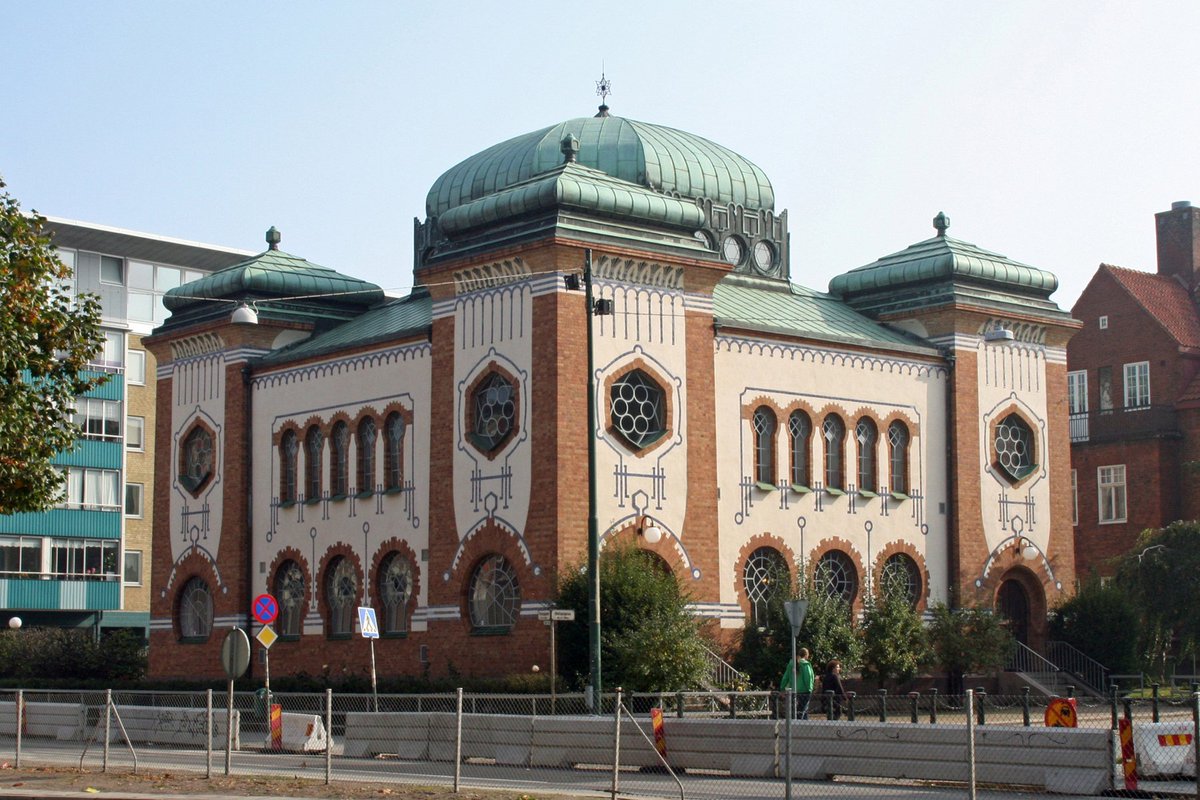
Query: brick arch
x=194 y=565
x=814 y=430
x=488 y=540
x=896 y=415
x=844 y=546
x=752 y=544
x=907 y=548
x=665 y=548
x=1033 y=577
x=289 y=425
x=865 y=412
x=758 y=401
x=668 y=393
x=332 y=552
x=292 y=554
x=386 y=548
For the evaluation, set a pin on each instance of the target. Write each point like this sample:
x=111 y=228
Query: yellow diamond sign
x=267 y=636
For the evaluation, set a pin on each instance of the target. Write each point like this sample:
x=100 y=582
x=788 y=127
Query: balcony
x=1134 y=422
x=53 y=593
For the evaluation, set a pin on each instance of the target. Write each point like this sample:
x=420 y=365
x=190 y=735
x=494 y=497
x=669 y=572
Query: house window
x=1137 y=385
x=800 y=432
x=91 y=559
x=195 y=611
x=1104 y=322
x=1077 y=405
x=1074 y=497
x=341 y=595
x=1014 y=448
x=898 y=457
x=494 y=598
x=289 y=591
x=132 y=575
x=767 y=582
x=135 y=367
x=1104 y=379
x=312 y=463
x=111 y=270
x=135 y=433
x=393 y=451
x=395 y=590
x=134 y=493
x=366 y=455
x=494 y=412
x=1111 y=487
x=93 y=488
x=98 y=419
x=340 y=479
x=112 y=351
x=764 y=445
x=836 y=576
x=288 y=448
x=197 y=464
x=867 y=435
x=20 y=556
x=639 y=413
x=835 y=438
x=902 y=578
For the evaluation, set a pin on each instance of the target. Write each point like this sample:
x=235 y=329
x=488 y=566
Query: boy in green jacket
x=799 y=676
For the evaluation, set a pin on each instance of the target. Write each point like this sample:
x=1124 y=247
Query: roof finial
x=604 y=89
x=273 y=238
x=570 y=148
x=941 y=222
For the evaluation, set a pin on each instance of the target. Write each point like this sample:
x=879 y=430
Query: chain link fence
x=686 y=744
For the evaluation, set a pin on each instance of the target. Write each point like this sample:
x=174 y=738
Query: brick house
x=1134 y=397
x=428 y=455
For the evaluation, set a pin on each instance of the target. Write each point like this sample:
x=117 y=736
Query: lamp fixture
x=649 y=530
x=998 y=334
x=244 y=314
x=1026 y=549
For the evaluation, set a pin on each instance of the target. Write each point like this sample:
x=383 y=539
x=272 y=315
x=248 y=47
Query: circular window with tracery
x=494 y=597
x=766 y=580
x=902 y=578
x=493 y=412
x=836 y=576
x=638 y=409
x=1014 y=448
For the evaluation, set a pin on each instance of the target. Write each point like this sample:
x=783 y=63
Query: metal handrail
x=721 y=672
x=1023 y=658
x=1069 y=658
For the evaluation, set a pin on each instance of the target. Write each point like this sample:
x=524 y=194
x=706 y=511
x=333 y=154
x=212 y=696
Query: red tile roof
x=1165 y=298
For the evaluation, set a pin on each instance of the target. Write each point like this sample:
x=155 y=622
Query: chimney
x=1179 y=243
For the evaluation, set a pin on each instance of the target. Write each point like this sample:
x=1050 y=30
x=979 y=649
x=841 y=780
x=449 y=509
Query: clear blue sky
x=1047 y=131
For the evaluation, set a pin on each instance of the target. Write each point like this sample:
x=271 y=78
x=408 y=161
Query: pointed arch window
x=312 y=463
x=837 y=577
x=195 y=611
x=395 y=590
x=898 y=457
x=289 y=591
x=393 y=451
x=867 y=436
x=366 y=455
x=288 y=448
x=767 y=583
x=800 y=433
x=341 y=597
x=764 y=445
x=834 y=431
x=494 y=596
x=340 y=478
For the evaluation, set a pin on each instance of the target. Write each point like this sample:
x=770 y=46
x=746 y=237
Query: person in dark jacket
x=831 y=681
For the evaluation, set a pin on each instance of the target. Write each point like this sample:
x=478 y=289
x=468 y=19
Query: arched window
x=341 y=595
x=395 y=589
x=898 y=456
x=393 y=451
x=766 y=581
x=1014 y=448
x=312 y=463
x=494 y=412
x=867 y=435
x=835 y=440
x=289 y=592
x=288 y=448
x=195 y=611
x=340 y=466
x=494 y=598
x=196 y=466
x=901 y=578
x=638 y=405
x=764 y=445
x=836 y=576
x=800 y=432
x=366 y=455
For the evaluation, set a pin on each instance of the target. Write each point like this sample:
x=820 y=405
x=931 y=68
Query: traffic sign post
x=235 y=658
x=552 y=618
x=265 y=608
x=368 y=626
x=796 y=611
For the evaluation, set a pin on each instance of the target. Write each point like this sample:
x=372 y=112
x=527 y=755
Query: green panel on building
x=64 y=522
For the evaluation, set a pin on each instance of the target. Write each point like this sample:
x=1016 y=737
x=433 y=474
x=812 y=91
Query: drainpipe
x=952 y=539
x=247 y=464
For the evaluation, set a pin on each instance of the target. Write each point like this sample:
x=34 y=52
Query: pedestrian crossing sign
x=367 y=624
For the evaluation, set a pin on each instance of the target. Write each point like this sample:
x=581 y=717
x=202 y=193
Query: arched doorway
x=1013 y=602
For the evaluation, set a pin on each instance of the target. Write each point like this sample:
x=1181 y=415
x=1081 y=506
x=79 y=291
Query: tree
x=1102 y=621
x=895 y=641
x=649 y=640
x=47 y=338
x=966 y=640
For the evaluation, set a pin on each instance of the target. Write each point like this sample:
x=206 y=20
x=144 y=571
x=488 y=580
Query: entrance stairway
x=1060 y=667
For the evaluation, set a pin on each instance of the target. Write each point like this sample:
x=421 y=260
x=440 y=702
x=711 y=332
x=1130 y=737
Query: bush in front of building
x=1102 y=621
x=41 y=656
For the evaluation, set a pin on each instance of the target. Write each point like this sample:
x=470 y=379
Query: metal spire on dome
x=941 y=222
x=604 y=89
x=273 y=238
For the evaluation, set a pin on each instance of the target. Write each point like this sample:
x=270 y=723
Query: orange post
x=660 y=738
x=1128 y=757
x=276 y=726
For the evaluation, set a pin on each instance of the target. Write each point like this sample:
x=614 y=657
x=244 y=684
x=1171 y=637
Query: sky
x=1051 y=132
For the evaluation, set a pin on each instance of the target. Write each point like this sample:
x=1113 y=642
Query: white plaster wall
x=748 y=371
x=375 y=379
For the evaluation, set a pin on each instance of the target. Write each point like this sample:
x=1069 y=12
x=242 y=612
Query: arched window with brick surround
x=366 y=455
x=763 y=426
x=866 y=436
x=898 y=457
x=834 y=431
x=312 y=463
x=800 y=437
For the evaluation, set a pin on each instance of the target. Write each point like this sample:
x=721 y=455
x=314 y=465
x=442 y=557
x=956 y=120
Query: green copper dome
x=652 y=156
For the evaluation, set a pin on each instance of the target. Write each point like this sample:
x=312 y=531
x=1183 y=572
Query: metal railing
x=1089 y=672
x=1035 y=666
x=1122 y=423
x=721 y=673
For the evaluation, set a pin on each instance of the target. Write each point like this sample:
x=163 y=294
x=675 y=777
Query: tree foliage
x=1103 y=622
x=895 y=641
x=649 y=639
x=46 y=339
x=49 y=653
x=971 y=639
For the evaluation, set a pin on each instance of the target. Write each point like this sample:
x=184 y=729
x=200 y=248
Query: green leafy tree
x=895 y=641
x=1103 y=622
x=968 y=640
x=650 y=640
x=46 y=340
x=1162 y=576
x=63 y=653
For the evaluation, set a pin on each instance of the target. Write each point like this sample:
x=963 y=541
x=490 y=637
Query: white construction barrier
x=63 y=721
x=303 y=733
x=175 y=726
x=1164 y=748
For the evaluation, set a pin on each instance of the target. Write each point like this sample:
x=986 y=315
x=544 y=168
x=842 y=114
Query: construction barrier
x=301 y=733
x=1164 y=749
x=64 y=721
